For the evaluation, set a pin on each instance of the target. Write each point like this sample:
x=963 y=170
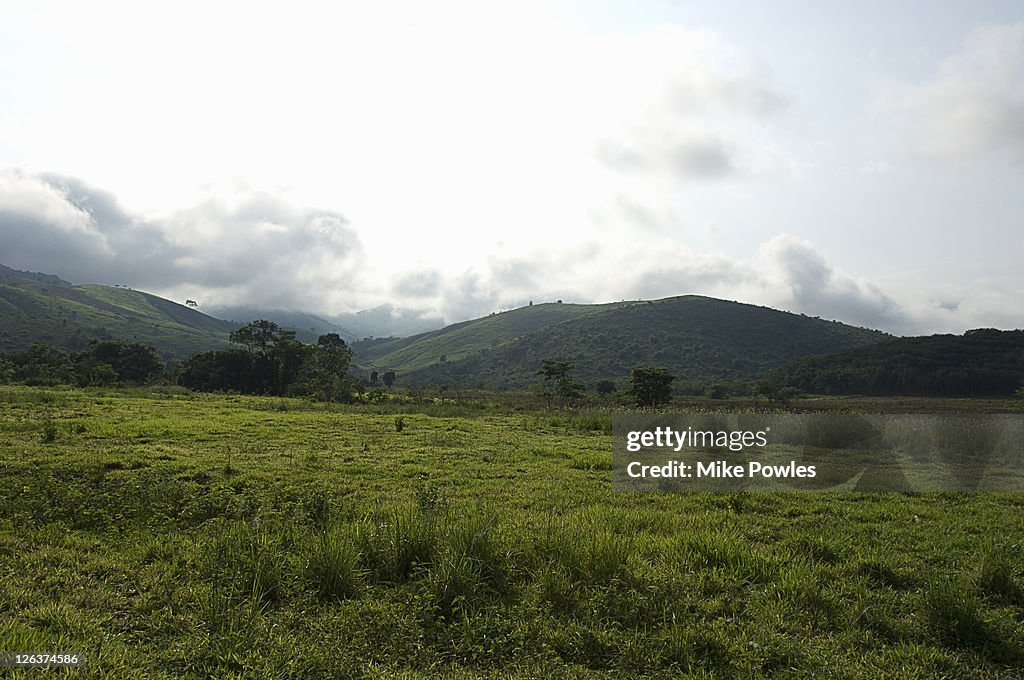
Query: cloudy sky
x=857 y=161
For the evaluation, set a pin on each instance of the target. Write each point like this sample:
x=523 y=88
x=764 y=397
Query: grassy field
x=169 y=534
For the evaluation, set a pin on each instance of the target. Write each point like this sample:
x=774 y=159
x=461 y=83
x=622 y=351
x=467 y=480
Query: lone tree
x=652 y=387
x=259 y=337
x=557 y=381
x=775 y=392
x=388 y=378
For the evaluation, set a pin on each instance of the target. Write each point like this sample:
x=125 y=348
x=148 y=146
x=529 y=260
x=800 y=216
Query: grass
x=170 y=534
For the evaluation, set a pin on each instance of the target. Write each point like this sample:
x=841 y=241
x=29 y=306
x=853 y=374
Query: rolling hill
x=41 y=307
x=694 y=337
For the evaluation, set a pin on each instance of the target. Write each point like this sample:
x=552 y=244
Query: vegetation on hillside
x=468 y=338
x=43 y=308
x=693 y=337
x=982 y=362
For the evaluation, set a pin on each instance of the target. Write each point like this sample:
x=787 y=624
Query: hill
x=307 y=327
x=982 y=362
x=41 y=307
x=694 y=337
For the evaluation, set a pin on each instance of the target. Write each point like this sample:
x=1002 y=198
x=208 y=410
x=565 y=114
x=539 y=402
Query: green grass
x=170 y=534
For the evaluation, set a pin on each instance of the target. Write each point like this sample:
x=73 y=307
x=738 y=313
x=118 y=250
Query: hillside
x=983 y=362
x=40 y=307
x=466 y=339
x=694 y=337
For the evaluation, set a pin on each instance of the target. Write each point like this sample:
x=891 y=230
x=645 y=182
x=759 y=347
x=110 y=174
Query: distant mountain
x=41 y=307
x=7 y=273
x=308 y=327
x=380 y=322
x=694 y=337
x=982 y=362
x=387 y=321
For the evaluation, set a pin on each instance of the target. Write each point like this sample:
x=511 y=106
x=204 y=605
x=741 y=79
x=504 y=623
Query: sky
x=855 y=161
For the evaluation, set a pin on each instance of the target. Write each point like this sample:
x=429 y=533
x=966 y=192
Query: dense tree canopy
x=272 y=361
x=652 y=387
x=102 y=362
x=982 y=362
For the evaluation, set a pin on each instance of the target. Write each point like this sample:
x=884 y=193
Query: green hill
x=694 y=337
x=982 y=362
x=40 y=307
x=466 y=339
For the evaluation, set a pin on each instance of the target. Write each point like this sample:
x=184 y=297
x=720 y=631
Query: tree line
x=102 y=363
x=267 y=360
x=984 y=362
x=650 y=387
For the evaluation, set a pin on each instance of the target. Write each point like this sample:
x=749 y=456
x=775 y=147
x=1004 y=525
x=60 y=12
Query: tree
x=277 y=357
x=605 y=387
x=774 y=392
x=717 y=391
x=222 y=371
x=388 y=378
x=41 y=364
x=326 y=372
x=557 y=381
x=651 y=387
x=134 y=363
x=260 y=336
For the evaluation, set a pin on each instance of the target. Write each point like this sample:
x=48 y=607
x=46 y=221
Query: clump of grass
x=472 y=561
x=995 y=577
x=397 y=544
x=333 y=569
x=954 y=614
x=454 y=579
x=878 y=572
x=477 y=536
x=317 y=508
x=48 y=433
x=814 y=549
x=588 y=551
x=429 y=497
x=707 y=550
x=245 y=562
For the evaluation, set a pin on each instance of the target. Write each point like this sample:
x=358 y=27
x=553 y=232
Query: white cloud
x=243 y=246
x=259 y=248
x=691 y=106
x=972 y=106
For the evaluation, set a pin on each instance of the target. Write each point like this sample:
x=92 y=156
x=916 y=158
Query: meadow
x=163 y=533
